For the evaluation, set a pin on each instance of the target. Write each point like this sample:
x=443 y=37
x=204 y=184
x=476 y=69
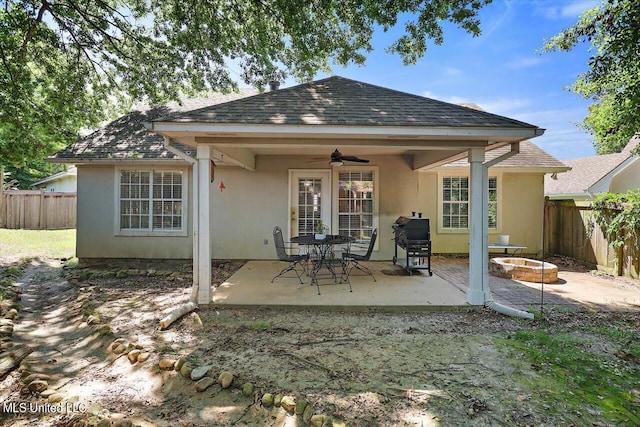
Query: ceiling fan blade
x=354 y=159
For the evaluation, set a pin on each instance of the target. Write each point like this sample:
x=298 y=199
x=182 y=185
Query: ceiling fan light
x=336 y=163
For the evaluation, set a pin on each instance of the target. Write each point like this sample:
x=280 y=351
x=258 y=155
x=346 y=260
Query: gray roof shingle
x=127 y=137
x=586 y=171
x=340 y=101
x=530 y=156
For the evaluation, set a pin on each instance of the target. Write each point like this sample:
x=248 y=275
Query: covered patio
x=445 y=290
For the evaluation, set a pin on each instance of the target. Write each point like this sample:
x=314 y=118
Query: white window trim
x=457 y=173
x=151 y=233
x=376 y=198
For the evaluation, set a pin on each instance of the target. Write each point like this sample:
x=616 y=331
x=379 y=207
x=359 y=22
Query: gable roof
x=529 y=156
x=338 y=101
x=128 y=138
x=71 y=172
x=587 y=171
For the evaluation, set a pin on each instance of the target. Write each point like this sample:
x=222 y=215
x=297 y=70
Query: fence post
x=43 y=217
x=2 y=210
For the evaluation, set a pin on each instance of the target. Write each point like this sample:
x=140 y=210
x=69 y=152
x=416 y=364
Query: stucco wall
x=627 y=179
x=96 y=237
x=244 y=214
x=62 y=185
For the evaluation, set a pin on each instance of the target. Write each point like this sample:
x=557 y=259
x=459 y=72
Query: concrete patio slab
x=251 y=286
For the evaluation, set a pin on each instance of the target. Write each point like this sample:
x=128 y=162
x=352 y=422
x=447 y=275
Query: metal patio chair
x=351 y=260
x=293 y=260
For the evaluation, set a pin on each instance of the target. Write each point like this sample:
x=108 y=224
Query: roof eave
x=198 y=129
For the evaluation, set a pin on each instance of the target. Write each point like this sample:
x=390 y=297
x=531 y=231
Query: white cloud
x=499 y=105
x=572 y=9
x=525 y=62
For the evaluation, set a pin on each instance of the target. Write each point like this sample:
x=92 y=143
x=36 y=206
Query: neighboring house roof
x=587 y=172
x=529 y=156
x=127 y=138
x=55 y=177
x=343 y=102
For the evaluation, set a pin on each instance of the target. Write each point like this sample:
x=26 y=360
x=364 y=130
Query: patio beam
x=203 y=255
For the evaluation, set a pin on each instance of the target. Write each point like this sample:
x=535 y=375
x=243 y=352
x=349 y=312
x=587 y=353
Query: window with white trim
x=151 y=200
x=455 y=202
x=356 y=204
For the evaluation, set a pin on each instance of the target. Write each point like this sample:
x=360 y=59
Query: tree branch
x=33 y=26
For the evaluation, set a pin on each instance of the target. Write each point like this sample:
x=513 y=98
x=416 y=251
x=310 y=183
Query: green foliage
x=67 y=66
x=618 y=215
x=613 y=78
x=575 y=373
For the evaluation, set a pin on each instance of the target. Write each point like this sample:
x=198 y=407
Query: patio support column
x=204 y=235
x=477 y=228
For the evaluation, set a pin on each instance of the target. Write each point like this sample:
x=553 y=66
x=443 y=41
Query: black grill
x=413 y=235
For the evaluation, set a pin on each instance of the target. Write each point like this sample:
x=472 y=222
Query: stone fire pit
x=528 y=270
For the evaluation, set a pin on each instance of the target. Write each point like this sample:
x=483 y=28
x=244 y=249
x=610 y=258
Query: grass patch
x=583 y=376
x=261 y=326
x=37 y=243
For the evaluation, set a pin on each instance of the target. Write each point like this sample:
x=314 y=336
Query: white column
x=204 y=235
x=475 y=294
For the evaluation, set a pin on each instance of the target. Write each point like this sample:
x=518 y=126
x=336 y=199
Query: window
x=455 y=202
x=356 y=204
x=151 y=200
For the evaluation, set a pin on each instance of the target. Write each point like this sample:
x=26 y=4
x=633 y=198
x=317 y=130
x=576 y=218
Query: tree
x=70 y=64
x=613 y=78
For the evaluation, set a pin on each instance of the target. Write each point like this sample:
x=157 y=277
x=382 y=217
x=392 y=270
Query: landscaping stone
x=225 y=379
x=307 y=414
x=200 y=372
x=119 y=349
x=105 y=422
x=301 y=405
x=38 y=386
x=92 y=320
x=186 y=369
x=133 y=355
x=167 y=363
x=143 y=356
x=204 y=383
x=247 y=389
x=180 y=363
x=318 y=420
x=33 y=377
x=267 y=400
x=48 y=392
x=12 y=314
x=277 y=401
x=6 y=345
x=288 y=403
x=55 y=398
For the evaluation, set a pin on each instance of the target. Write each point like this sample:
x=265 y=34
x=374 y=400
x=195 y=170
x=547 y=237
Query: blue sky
x=501 y=70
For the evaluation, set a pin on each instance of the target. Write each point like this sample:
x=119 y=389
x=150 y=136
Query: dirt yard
x=360 y=369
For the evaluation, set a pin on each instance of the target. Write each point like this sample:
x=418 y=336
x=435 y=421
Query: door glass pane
x=309 y=204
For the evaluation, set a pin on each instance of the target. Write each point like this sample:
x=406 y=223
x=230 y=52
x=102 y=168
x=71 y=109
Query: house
x=213 y=182
x=590 y=176
x=570 y=226
x=61 y=182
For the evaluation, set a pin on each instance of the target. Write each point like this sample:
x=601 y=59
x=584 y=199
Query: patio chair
x=293 y=260
x=351 y=260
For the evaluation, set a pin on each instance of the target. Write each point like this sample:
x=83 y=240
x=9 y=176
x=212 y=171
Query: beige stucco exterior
x=244 y=213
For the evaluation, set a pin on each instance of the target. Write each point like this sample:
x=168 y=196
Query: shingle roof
x=586 y=171
x=530 y=156
x=127 y=137
x=340 y=101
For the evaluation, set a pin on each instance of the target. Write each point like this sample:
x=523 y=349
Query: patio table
x=322 y=253
x=515 y=248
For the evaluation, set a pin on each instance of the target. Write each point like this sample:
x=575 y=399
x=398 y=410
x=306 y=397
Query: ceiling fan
x=337 y=159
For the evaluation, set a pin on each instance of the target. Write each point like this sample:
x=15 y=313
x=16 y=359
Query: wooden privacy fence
x=37 y=210
x=569 y=231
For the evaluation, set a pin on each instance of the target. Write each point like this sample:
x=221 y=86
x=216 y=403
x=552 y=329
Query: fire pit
x=528 y=270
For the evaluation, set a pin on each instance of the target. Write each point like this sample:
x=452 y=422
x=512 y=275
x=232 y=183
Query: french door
x=310 y=195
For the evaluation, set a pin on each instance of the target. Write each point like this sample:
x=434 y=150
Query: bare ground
x=365 y=369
